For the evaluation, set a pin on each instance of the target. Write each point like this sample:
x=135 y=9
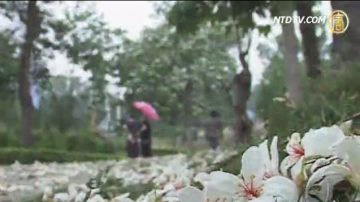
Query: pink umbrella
x=147 y=109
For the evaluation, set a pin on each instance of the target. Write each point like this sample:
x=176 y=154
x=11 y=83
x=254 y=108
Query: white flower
x=257 y=180
x=191 y=194
x=275 y=189
x=272 y=159
x=280 y=189
x=96 y=198
x=348 y=149
x=318 y=142
x=257 y=165
x=61 y=197
x=221 y=186
x=48 y=193
x=252 y=173
x=314 y=142
x=321 y=183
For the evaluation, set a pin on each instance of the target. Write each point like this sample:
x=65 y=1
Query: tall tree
x=310 y=42
x=38 y=44
x=290 y=50
x=241 y=92
x=90 y=43
x=32 y=21
x=189 y=16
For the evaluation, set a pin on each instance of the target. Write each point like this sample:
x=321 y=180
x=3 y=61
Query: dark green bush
x=10 y=155
x=25 y=156
x=79 y=141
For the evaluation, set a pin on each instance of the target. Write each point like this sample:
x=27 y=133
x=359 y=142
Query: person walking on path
x=213 y=130
x=133 y=141
x=150 y=114
x=145 y=139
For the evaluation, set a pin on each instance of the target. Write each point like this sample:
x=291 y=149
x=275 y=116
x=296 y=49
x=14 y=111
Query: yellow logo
x=338 y=21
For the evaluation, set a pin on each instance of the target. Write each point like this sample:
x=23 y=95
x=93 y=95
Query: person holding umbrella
x=145 y=139
x=150 y=114
x=132 y=144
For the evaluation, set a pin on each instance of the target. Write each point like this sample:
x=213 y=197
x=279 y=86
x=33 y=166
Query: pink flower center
x=178 y=185
x=268 y=175
x=249 y=190
x=297 y=150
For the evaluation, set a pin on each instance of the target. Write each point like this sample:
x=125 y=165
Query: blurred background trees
x=185 y=66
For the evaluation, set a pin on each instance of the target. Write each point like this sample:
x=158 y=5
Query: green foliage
x=45 y=44
x=63 y=119
x=64 y=95
x=8 y=65
x=80 y=141
x=189 y=16
x=328 y=100
x=160 y=66
x=91 y=43
x=76 y=141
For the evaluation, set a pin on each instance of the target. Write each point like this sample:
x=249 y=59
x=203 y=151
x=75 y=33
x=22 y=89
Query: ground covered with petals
x=321 y=165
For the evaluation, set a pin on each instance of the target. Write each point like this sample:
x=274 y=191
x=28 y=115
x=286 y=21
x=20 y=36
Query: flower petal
x=274 y=156
x=253 y=165
x=321 y=183
x=264 y=150
x=327 y=136
x=285 y=166
x=281 y=188
x=271 y=162
x=264 y=199
x=221 y=186
x=191 y=194
x=349 y=149
x=291 y=169
x=202 y=178
x=295 y=140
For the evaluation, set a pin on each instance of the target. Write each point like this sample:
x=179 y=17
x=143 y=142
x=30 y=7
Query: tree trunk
x=309 y=40
x=242 y=91
x=293 y=73
x=242 y=88
x=188 y=102
x=346 y=45
x=188 y=108
x=32 y=23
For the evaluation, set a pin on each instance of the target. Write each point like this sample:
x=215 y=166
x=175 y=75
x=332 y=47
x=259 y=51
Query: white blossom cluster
x=318 y=163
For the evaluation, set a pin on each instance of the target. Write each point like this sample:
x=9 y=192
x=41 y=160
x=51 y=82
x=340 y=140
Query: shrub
x=25 y=156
